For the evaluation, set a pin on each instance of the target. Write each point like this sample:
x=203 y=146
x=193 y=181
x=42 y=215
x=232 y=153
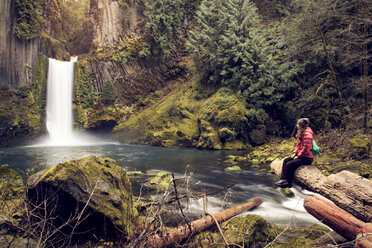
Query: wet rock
x=95 y=188
x=287 y=192
x=233 y=168
x=161 y=180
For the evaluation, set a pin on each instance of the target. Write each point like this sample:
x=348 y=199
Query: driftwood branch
x=347 y=190
x=177 y=235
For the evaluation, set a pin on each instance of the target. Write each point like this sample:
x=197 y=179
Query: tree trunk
x=347 y=190
x=336 y=218
x=176 y=235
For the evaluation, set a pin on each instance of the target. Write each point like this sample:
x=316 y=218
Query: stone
x=161 y=180
x=250 y=231
x=233 y=168
x=11 y=183
x=287 y=192
x=17 y=242
x=95 y=187
x=258 y=135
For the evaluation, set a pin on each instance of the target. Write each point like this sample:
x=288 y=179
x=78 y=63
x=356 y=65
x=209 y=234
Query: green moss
x=250 y=231
x=161 y=180
x=29 y=19
x=22 y=110
x=233 y=168
x=11 y=184
x=287 y=192
x=180 y=119
x=112 y=195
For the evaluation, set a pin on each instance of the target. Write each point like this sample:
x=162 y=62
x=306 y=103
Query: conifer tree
x=164 y=21
x=231 y=49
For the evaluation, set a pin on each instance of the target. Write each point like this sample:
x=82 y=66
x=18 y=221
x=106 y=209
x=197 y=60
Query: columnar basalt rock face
x=17 y=57
x=107 y=18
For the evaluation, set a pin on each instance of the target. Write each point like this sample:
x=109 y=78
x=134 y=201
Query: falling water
x=59 y=102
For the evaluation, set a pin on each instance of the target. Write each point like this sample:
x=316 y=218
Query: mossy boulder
x=17 y=242
x=94 y=186
x=248 y=231
x=161 y=180
x=226 y=134
x=258 y=135
x=11 y=184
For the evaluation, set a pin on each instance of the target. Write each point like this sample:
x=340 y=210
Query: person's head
x=303 y=123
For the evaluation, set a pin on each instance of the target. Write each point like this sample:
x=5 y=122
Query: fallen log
x=339 y=220
x=347 y=190
x=177 y=235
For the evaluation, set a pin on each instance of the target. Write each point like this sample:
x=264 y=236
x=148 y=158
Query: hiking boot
x=283 y=184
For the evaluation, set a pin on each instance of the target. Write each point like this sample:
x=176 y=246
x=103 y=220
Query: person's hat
x=303 y=122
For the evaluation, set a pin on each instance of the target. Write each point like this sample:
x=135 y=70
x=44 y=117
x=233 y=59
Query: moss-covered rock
x=249 y=231
x=184 y=118
x=17 y=242
x=22 y=110
x=11 y=184
x=287 y=192
x=233 y=168
x=258 y=135
x=161 y=180
x=97 y=183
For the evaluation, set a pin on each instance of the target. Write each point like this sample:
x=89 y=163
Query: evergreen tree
x=29 y=19
x=108 y=94
x=164 y=21
x=231 y=49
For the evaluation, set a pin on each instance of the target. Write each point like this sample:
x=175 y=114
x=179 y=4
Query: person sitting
x=302 y=155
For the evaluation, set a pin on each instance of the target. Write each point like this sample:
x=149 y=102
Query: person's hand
x=294 y=156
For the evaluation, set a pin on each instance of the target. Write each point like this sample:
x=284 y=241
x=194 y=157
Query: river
x=205 y=170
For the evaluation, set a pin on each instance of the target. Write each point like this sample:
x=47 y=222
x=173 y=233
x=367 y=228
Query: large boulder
x=90 y=196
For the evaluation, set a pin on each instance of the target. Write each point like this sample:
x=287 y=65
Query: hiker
x=302 y=155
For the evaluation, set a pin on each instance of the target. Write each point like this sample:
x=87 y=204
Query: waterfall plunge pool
x=204 y=168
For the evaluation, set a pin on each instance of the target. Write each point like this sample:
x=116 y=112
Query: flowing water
x=204 y=168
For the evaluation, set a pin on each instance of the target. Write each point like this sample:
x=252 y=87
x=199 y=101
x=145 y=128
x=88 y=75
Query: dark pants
x=290 y=165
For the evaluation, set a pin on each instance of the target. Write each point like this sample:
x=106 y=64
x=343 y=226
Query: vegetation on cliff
x=22 y=111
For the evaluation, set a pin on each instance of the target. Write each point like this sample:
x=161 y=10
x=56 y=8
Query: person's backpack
x=315 y=148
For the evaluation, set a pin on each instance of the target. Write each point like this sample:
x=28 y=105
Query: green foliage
x=29 y=19
x=108 y=94
x=130 y=48
x=230 y=49
x=22 y=91
x=164 y=22
x=83 y=92
x=320 y=48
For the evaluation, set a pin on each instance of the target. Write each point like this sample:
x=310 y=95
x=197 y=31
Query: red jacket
x=304 y=145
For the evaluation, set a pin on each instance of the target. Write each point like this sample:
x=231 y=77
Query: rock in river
x=93 y=195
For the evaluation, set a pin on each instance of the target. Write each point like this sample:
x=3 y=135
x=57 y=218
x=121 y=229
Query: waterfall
x=59 y=121
x=59 y=117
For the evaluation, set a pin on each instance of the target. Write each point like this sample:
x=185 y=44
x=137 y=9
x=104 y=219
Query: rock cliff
x=17 y=57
